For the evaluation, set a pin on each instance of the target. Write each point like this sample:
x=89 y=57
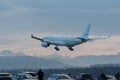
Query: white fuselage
x=63 y=41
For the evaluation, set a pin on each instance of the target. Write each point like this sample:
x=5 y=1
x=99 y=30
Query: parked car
x=5 y=76
x=33 y=74
x=110 y=77
x=84 y=76
x=21 y=76
x=60 y=77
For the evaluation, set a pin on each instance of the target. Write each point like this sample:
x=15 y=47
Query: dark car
x=5 y=76
x=84 y=76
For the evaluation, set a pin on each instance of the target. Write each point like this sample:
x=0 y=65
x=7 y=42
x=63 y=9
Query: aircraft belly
x=72 y=43
x=58 y=43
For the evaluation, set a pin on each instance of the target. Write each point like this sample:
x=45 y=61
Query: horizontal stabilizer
x=100 y=38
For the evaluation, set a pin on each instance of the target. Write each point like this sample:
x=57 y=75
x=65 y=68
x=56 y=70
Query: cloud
x=10 y=53
x=66 y=16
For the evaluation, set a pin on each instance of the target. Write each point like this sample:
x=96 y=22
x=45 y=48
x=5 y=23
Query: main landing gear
x=70 y=48
x=56 y=48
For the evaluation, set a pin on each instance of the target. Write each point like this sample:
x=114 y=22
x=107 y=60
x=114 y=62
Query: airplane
x=69 y=42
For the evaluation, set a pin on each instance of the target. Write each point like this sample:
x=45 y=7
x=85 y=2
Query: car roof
x=59 y=74
x=109 y=75
x=4 y=73
x=20 y=74
x=27 y=72
x=85 y=73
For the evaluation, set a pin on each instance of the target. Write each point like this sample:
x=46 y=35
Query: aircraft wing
x=100 y=38
x=36 y=37
x=60 y=43
x=48 y=41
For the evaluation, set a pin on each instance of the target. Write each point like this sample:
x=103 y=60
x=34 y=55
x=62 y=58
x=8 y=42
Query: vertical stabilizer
x=85 y=34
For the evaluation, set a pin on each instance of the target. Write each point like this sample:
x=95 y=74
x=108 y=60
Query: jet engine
x=45 y=44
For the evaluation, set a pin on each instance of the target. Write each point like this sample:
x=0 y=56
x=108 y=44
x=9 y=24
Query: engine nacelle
x=45 y=44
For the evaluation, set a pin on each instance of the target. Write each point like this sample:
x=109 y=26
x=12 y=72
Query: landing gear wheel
x=56 y=48
x=70 y=48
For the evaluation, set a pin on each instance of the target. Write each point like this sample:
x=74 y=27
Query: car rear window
x=63 y=77
x=4 y=75
x=32 y=74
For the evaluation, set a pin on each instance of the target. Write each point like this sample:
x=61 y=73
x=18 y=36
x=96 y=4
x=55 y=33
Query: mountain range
x=10 y=60
x=87 y=60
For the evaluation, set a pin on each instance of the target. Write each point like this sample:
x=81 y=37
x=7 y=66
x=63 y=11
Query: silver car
x=60 y=77
x=110 y=77
x=20 y=76
x=33 y=74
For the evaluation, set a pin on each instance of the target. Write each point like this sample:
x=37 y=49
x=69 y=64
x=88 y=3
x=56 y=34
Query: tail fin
x=85 y=34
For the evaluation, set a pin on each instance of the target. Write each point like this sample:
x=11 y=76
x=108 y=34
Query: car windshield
x=23 y=76
x=53 y=76
x=60 y=76
x=32 y=74
x=4 y=75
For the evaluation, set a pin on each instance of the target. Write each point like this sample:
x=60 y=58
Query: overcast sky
x=20 y=18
